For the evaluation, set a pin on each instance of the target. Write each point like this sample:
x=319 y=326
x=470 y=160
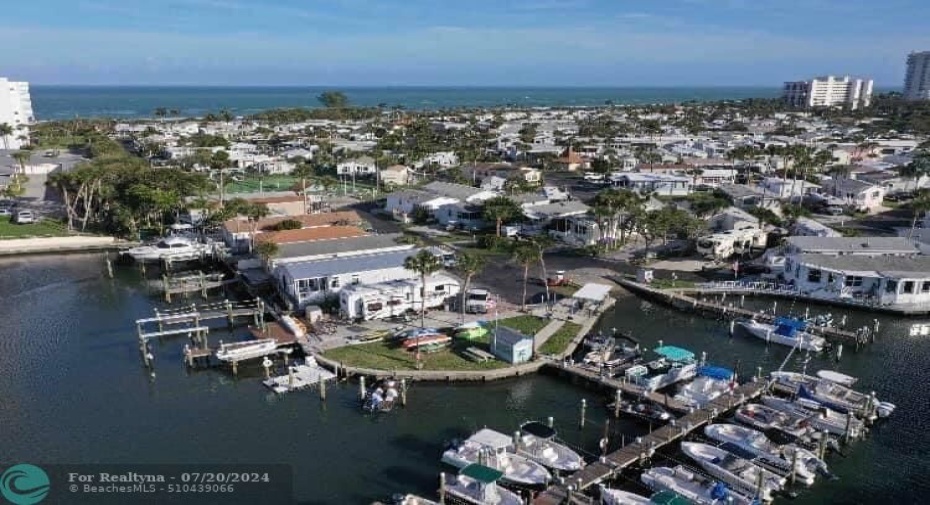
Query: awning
x=593 y=292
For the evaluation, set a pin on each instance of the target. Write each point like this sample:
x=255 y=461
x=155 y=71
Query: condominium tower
x=917 y=79
x=829 y=91
x=16 y=111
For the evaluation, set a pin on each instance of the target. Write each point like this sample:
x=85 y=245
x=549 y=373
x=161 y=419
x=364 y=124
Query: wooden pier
x=681 y=301
x=192 y=317
x=644 y=447
x=197 y=282
x=619 y=385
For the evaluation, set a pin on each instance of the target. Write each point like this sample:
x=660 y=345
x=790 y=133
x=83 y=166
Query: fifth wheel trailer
x=379 y=301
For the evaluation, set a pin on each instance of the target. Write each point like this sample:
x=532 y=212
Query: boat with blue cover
x=786 y=331
x=692 y=486
x=674 y=365
x=710 y=384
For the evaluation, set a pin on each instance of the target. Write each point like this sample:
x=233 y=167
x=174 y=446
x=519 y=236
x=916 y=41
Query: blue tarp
x=673 y=353
x=788 y=326
x=716 y=372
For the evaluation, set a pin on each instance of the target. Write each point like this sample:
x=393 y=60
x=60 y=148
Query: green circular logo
x=24 y=484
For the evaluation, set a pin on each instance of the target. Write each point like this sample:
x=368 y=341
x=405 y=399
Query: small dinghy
x=742 y=475
x=537 y=442
x=643 y=410
x=692 y=487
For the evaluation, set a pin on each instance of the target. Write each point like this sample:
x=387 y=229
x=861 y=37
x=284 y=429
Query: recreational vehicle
x=721 y=246
x=379 y=301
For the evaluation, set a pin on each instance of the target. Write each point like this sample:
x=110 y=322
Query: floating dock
x=299 y=377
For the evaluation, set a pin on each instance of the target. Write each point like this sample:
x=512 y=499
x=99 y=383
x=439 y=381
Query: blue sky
x=464 y=42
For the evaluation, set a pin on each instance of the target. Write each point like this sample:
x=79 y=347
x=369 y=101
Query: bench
x=478 y=355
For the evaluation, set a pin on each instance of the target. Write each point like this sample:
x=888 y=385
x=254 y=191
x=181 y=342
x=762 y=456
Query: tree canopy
x=333 y=99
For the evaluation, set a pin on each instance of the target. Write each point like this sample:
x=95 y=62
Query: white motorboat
x=174 y=248
x=477 y=484
x=742 y=475
x=785 y=331
x=692 y=487
x=674 y=365
x=833 y=395
x=817 y=416
x=250 y=349
x=490 y=448
x=711 y=383
x=767 y=452
x=837 y=377
x=766 y=418
x=537 y=442
x=412 y=499
x=620 y=497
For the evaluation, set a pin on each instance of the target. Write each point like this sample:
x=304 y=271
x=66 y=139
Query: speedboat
x=766 y=418
x=711 y=383
x=674 y=365
x=238 y=351
x=490 y=448
x=537 y=442
x=381 y=397
x=837 y=377
x=644 y=410
x=692 y=486
x=477 y=484
x=785 y=331
x=173 y=248
x=833 y=395
x=817 y=416
x=614 y=355
x=767 y=452
x=737 y=472
x=619 y=497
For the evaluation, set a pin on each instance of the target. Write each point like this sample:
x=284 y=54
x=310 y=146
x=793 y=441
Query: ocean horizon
x=51 y=102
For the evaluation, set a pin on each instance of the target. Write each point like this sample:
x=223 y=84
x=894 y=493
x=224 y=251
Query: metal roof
x=349 y=264
x=592 y=291
x=327 y=247
x=883 y=266
x=852 y=244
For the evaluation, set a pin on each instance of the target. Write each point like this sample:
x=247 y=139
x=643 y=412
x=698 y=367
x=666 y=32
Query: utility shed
x=511 y=346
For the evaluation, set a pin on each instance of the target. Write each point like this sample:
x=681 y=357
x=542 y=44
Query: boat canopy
x=491 y=438
x=673 y=353
x=481 y=473
x=716 y=372
x=668 y=498
x=538 y=429
x=788 y=326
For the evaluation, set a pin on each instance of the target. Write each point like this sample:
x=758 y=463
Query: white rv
x=721 y=246
x=379 y=301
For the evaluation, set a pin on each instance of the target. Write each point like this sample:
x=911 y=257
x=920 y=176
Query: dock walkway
x=678 y=299
x=619 y=384
x=644 y=447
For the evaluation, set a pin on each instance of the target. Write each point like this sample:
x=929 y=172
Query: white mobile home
x=721 y=246
x=379 y=301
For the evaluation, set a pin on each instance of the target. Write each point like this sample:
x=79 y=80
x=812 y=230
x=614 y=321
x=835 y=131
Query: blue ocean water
x=64 y=102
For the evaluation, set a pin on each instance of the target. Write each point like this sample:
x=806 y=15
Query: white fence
x=768 y=287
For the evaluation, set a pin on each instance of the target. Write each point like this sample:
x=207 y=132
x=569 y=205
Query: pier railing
x=768 y=287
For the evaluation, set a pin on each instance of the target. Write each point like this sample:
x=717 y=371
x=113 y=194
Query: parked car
x=6 y=211
x=24 y=217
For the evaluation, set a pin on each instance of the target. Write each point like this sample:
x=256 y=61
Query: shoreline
x=59 y=245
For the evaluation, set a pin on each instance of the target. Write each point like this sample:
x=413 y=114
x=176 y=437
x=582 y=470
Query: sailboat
x=738 y=473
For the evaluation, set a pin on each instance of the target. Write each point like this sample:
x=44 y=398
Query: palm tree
x=22 y=157
x=468 y=264
x=500 y=209
x=423 y=263
x=219 y=161
x=5 y=131
x=255 y=212
x=525 y=255
x=917 y=168
x=267 y=249
x=920 y=205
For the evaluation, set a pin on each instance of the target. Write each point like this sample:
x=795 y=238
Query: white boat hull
x=517 y=469
x=619 y=497
x=759 y=445
x=805 y=341
x=471 y=491
x=550 y=454
x=689 y=485
x=823 y=419
x=738 y=473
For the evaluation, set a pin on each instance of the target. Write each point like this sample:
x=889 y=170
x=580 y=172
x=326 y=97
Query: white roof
x=592 y=291
x=491 y=438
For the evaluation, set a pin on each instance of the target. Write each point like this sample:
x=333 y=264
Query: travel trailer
x=379 y=301
x=721 y=246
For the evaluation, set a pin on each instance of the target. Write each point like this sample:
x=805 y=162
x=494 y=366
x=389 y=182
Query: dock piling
x=551 y=422
x=235 y=367
x=584 y=408
x=442 y=488
x=839 y=352
x=403 y=392
x=822 y=446
x=266 y=363
x=617 y=404
x=322 y=390
x=109 y=264
x=606 y=439
x=361 y=387
x=794 y=467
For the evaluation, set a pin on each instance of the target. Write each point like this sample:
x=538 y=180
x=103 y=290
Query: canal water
x=73 y=390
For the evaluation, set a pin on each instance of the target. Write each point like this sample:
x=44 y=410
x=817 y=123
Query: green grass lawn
x=560 y=339
x=387 y=355
x=43 y=228
x=671 y=284
x=526 y=324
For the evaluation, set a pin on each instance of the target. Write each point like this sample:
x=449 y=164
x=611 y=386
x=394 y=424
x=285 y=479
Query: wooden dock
x=192 y=317
x=681 y=301
x=299 y=377
x=644 y=447
x=619 y=385
x=197 y=282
